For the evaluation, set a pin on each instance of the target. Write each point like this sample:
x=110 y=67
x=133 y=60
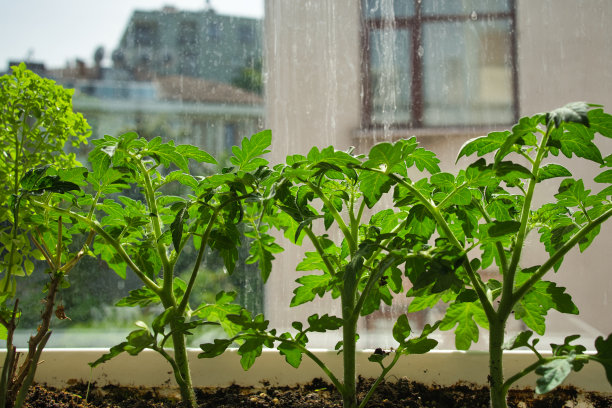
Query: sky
x=59 y=31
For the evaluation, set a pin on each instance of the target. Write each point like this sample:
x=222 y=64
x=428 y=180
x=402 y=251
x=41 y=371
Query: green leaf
x=374 y=185
x=248 y=157
x=552 y=374
x=600 y=122
x=323 y=323
x=311 y=286
x=536 y=303
x=604 y=354
x=419 y=345
x=249 y=351
x=551 y=171
x=501 y=228
x=605 y=177
x=483 y=144
x=210 y=350
x=464 y=315
x=139 y=297
x=420 y=222
x=166 y=154
x=384 y=156
x=292 y=353
x=177 y=226
x=401 y=329
x=520 y=340
x=576 y=139
x=113 y=352
x=424 y=159
x=572 y=193
x=195 y=153
x=183 y=178
x=219 y=311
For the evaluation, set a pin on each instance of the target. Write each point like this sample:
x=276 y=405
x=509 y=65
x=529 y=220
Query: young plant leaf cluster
x=443 y=231
x=375 y=221
x=148 y=232
x=36 y=121
x=483 y=217
x=313 y=197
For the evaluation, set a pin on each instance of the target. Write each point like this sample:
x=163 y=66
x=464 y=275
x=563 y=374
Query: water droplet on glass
x=474 y=16
x=420 y=51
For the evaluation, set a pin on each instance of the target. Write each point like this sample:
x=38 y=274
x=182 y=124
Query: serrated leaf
x=249 y=351
x=536 y=303
x=425 y=160
x=311 y=286
x=464 y=315
x=576 y=139
x=374 y=185
x=600 y=122
x=323 y=323
x=384 y=156
x=604 y=354
x=483 y=144
x=292 y=353
x=139 y=297
x=248 y=157
x=113 y=352
x=419 y=345
x=401 y=329
x=210 y=350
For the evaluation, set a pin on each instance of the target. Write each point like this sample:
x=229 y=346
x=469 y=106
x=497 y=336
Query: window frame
x=414 y=25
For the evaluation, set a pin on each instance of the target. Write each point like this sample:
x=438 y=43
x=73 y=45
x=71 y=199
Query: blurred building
x=199 y=44
x=190 y=76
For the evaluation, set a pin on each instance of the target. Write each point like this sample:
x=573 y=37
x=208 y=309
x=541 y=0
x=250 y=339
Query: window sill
x=63 y=366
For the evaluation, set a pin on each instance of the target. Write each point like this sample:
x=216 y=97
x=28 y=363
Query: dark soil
x=318 y=394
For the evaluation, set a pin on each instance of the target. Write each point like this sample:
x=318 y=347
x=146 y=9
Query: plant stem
x=349 y=334
x=496 y=375
x=183 y=376
x=380 y=378
x=507 y=299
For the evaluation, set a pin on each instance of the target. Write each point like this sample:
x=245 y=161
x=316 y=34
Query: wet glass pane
x=467 y=73
x=390 y=76
x=464 y=7
x=379 y=8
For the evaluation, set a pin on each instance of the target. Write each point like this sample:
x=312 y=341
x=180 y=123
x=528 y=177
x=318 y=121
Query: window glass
x=467 y=74
x=380 y=8
x=390 y=75
x=462 y=7
x=449 y=63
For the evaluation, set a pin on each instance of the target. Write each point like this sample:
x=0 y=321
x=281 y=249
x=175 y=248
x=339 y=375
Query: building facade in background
x=200 y=44
x=190 y=76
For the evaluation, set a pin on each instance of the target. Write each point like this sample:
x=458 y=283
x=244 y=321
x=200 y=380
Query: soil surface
x=318 y=394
